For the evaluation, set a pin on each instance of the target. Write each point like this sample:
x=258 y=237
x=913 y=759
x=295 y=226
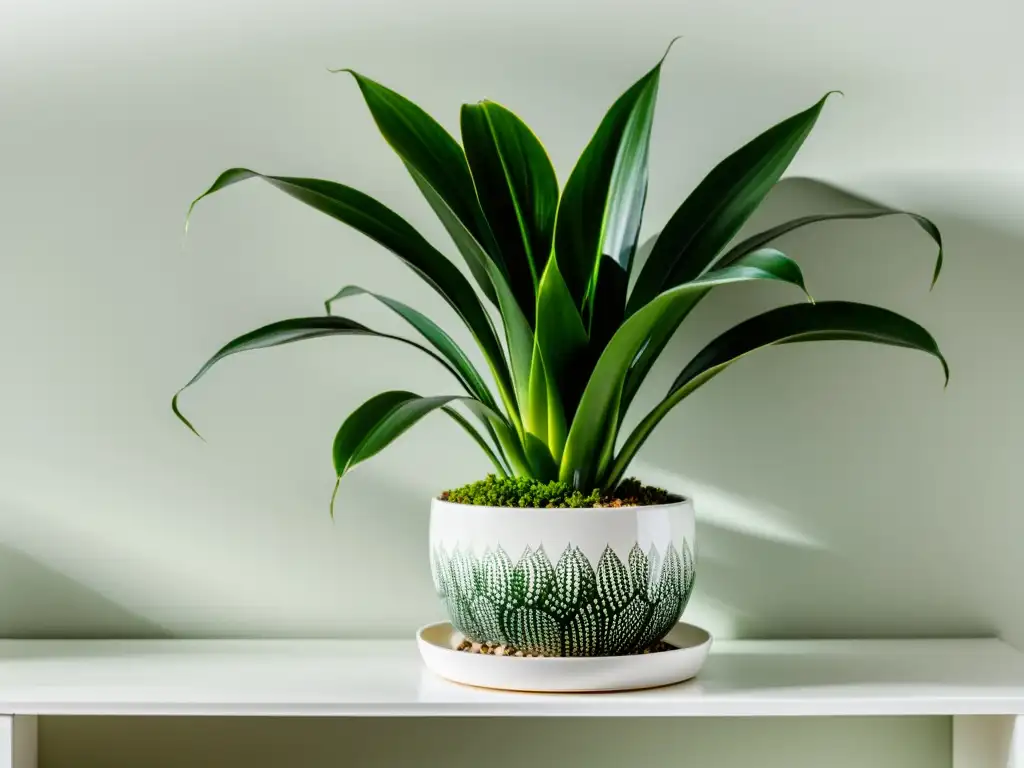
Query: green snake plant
x=567 y=331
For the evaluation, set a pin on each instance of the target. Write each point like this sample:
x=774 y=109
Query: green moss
x=525 y=492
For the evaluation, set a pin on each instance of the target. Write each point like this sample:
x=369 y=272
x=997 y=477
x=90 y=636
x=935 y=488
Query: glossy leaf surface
x=718 y=207
x=825 y=321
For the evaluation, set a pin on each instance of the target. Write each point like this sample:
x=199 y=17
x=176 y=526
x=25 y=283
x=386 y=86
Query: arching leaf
x=287 y=332
x=379 y=421
x=825 y=321
x=718 y=207
x=591 y=441
x=430 y=331
x=380 y=223
x=754 y=242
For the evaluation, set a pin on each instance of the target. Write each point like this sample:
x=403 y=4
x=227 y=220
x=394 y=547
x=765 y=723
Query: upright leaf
x=718 y=207
x=754 y=242
x=517 y=189
x=563 y=345
x=591 y=441
x=437 y=162
x=287 y=332
x=380 y=223
x=825 y=321
x=518 y=333
x=602 y=204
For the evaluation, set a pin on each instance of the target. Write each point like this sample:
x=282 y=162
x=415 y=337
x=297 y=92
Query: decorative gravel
x=504 y=650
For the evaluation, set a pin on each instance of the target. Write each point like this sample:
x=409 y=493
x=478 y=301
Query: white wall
x=841 y=491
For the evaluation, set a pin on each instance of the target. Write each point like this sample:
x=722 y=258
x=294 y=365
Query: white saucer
x=566 y=675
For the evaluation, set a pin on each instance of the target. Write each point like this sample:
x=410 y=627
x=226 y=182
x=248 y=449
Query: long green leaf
x=437 y=161
x=601 y=207
x=563 y=347
x=591 y=441
x=381 y=420
x=718 y=207
x=287 y=332
x=383 y=225
x=754 y=242
x=430 y=331
x=518 y=192
x=518 y=333
x=768 y=259
x=503 y=469
x=825 y=321
x=441 y=341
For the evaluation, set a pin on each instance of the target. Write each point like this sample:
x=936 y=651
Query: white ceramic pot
x=564 y=582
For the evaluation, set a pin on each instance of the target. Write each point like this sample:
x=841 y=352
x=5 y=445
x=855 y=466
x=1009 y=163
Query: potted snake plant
x=559 y=552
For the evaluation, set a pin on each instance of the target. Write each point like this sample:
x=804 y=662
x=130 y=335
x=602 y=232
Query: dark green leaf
x=825 y=321
x=718 y=207
x=517 y=189
x=435 y=160
x=380 y=223
x=754 y=242
x=502 y=468
x=381 y=420
x=286 y=332
x=602 y=204
x=518 y=333
x=767 y=259
x=433 y=333
x=591 y=441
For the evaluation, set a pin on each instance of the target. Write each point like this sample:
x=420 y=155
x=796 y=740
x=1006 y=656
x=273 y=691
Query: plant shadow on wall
x=839 y=491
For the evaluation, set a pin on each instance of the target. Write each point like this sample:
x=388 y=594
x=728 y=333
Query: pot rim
x=683 y=501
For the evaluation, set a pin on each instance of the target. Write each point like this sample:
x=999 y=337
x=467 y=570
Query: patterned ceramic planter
x=564 y=582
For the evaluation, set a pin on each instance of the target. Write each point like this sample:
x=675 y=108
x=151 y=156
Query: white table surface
x=385 y=678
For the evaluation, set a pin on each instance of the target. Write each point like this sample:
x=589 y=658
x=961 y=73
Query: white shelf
x=369 y=678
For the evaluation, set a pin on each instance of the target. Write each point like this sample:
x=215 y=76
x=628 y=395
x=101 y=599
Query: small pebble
x=503 y=650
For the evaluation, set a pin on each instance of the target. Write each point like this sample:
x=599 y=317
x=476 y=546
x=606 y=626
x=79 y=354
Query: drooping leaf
x=754 y=242
x=718 y=207
x=503 y=469
x=591 y=441
x=602 y=204
x=430 y=331
x=825 y=321
x=518 y=192
x=382 y=419
x=436 y=161
x=287 y=332
x=768 y=259
x=380 y=223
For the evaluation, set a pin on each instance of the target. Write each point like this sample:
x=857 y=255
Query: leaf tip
x=181 y=416
x=937 y=271
x=669 y=48
x=334 y=495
